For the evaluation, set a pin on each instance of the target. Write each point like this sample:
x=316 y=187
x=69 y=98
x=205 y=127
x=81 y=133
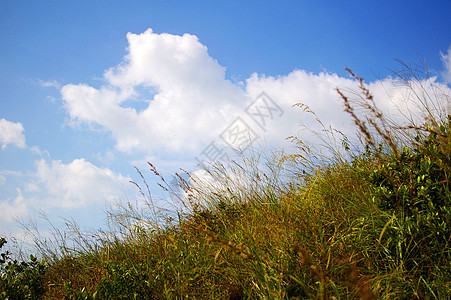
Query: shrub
x=20 y=280
x=415 y=188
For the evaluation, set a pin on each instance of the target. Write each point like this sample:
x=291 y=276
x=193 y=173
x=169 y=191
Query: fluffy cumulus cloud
x=193 y=103
x=11 y=134
x=55 y=186
x=78 y=184
x=192 y=100
x=188 y=101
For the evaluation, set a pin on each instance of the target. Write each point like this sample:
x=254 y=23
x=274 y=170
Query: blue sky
x=89 y=89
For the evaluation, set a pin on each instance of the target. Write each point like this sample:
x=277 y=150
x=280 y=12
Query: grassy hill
x=362 y=222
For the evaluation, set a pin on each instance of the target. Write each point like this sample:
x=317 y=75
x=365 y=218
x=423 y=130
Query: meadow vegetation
x=356 y=220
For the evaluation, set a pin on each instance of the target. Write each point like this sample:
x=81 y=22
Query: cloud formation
x=12 y=210
x=78 y=184
x=192 y=102
x=55 y=185
x=187 y=102
x=11 y=134
x=48 y=83
x=446 y=59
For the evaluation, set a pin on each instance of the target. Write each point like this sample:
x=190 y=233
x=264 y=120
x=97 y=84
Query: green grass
x=373 y=223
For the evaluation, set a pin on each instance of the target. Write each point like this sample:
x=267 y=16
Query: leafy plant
x=20 y=280
x=415 y=187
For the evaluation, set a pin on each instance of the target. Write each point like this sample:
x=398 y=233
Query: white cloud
x=318 y=92
x=4 y=173
x=413 y=102
x=446 y=59
x=48 y=83
x=79 y=183
x=400 y=103
x=11 y=134
x=190 y=102
x=193 y=103
x=55 y=185
x=11 y=211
